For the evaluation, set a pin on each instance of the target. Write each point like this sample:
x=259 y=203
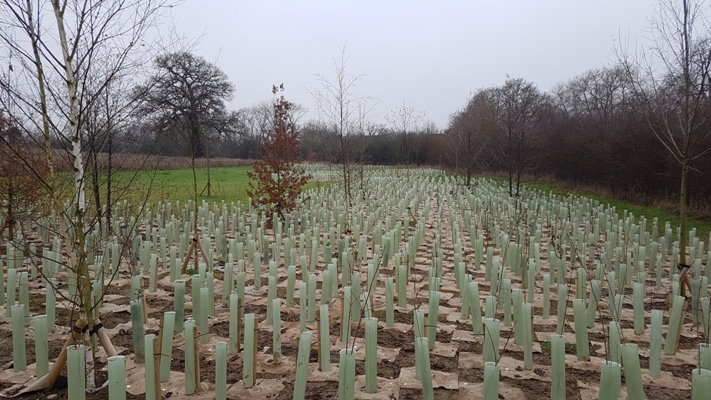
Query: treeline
x=628 y=131
x=593 y=130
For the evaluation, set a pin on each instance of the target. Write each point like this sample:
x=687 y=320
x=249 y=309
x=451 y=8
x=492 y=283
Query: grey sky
x=429 y=54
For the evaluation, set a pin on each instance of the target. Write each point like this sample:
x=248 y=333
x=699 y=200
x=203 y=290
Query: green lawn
x=227 y=183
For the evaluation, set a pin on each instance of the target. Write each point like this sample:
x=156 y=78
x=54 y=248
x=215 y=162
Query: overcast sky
x=429 y=54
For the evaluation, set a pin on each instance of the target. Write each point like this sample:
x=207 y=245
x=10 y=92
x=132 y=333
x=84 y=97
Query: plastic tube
x=614 y=341
x=271 y=295
x=324 y=339
x=419 y=329
x=706 y=315
x=190 y=367
x=210 y=283
x=179 y=304
x=205 y=304
x=490 y=307
x=557 y=367
x=638 y=296
x=346 y=315
x=595 y=295
x=302 y=365
x=326 y=286
x=610 y=381
x=41 y=346
x=700 y=384
x=425 y=367
x=221 y=371
x=475 y=309
x=311 y=304
x=76 y=374
x=250 y=347
x=150 y=365
x=371 y=355
x=291 y=279
x=166 y=351
x=675 y=318
x=402 y=286
x=389 y=299
x=346 y=375
x=704 y=361
x=19 y=353
x=153 y=279
x=137 y=330
x=517 y=303
x=633 y=372
x=240 y=282
x=50 y=306
x=655 y=344
x=546 y=296
x=196 y=284
x=581 y=330
x=117 y=378
x=432 y=316
x=11 y=290
x=491 y=339
x=527 y=335
x=276 y=329
x=234 y=324
x=25 y=294
x=257 y=264
x=491 y=381
x=562 y=305
x=505 y=297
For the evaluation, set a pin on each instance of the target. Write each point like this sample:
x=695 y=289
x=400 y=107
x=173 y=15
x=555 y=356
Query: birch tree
x=63 y=55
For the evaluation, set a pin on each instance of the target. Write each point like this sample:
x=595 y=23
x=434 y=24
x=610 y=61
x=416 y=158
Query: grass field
x=227 y=183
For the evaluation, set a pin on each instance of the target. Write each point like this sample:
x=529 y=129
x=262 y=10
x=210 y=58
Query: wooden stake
x=204 y=254
x=105 y=340
x=144 y=304
x=196 y=344
x=240 y=322
x=186 y=261
x=74 y=338
x=254 y=358
x=156 y=359
x=195 y=243
x=318 y=340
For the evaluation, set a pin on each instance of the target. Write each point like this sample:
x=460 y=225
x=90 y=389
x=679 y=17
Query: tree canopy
x=186 y=98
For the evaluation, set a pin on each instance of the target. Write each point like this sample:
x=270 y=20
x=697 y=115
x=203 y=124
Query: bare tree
x=343 y=111
x=404 y=121
x=469 y=130
x=519 y=104
x=671 y=83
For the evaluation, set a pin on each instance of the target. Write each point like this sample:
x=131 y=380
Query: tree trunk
x=10 y=218
x=96 y=187
x=43 y=105
x=78 y=250
x=198 y=148
x=109 y=173
x=683 y=235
